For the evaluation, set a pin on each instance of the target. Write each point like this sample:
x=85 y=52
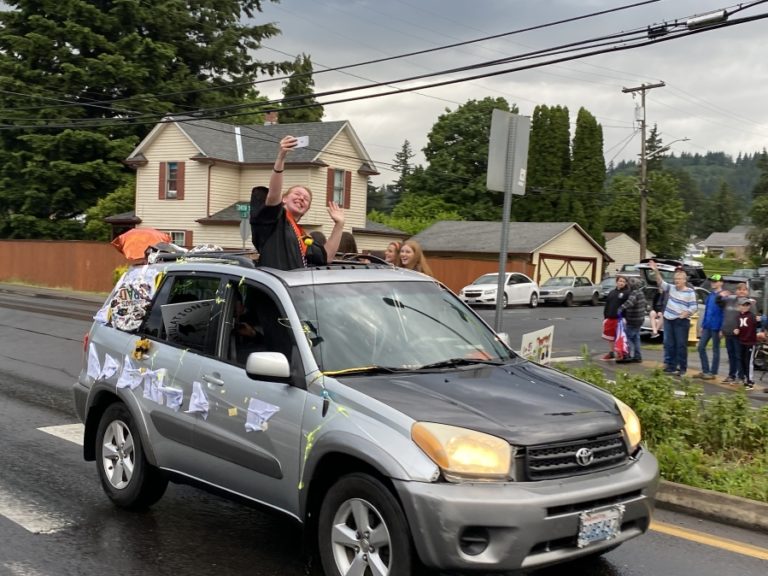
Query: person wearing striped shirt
x=681 y=304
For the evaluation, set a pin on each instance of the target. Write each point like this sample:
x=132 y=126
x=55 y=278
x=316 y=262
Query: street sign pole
x=507 y=165
x=244 y=209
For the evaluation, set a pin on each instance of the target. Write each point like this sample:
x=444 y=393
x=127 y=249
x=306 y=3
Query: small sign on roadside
x=243 y=208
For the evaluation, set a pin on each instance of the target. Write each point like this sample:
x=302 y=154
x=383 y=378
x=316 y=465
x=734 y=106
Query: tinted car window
x=185 y=313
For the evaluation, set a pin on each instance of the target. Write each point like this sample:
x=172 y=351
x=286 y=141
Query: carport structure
x=459 y=252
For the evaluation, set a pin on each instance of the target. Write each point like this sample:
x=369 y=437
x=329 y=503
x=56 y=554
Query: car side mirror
x=267 y=365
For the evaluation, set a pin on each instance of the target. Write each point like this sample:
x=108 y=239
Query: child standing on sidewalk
x=747 y=333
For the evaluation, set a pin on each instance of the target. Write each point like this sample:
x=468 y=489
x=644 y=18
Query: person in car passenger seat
x=412 y=257
x=275 y=229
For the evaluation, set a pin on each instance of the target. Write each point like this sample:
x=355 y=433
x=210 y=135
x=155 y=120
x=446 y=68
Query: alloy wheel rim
x=360 y=540
x=118 y=455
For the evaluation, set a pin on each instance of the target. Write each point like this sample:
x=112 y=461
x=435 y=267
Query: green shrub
x=718 y=442
x=118 y=272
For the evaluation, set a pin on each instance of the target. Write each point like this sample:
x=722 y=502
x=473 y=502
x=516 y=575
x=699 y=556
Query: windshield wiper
x=451 y=362
x=366 y=370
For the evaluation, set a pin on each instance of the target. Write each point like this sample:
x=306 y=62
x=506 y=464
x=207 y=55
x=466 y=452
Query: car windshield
x=650 y=278
x=487 y=279
x=392 y=325
x=559 y=281
x=609 y=282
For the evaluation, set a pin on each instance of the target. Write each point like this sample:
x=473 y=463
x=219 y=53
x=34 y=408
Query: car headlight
x=463 y=454
x=488 y=292
x=632 y=430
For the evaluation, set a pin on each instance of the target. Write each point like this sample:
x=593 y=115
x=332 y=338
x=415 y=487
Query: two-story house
x=193 y=174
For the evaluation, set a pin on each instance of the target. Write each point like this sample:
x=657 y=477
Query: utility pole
x=643 y=165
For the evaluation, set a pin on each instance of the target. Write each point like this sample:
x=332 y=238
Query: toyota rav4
x=368 y=403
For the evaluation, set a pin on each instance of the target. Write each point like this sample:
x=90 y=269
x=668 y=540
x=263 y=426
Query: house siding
x=171 y=145
x=340 y=154
x=570 y=243
x=624 y=250
x=225 y=189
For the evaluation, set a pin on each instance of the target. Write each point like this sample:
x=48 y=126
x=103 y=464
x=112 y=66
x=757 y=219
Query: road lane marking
x=709 y=540
x=29 y=515
x=19 y=569
x=70 y=432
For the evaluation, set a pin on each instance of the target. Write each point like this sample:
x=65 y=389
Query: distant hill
x=708 y=171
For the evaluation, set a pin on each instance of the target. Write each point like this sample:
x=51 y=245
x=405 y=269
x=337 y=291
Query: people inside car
x=275 y=229
x=412 y=257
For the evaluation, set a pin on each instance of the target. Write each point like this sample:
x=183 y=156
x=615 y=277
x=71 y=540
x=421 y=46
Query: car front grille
x=572 y=458
x=469 y=294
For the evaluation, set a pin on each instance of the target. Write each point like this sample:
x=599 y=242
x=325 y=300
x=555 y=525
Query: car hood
x=480 y=287
x=523 y=402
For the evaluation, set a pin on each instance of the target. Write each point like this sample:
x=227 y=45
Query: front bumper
x=480 y=300
x=525 y=525
x=552 y=297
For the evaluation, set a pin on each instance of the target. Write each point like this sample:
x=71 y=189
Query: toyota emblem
x=584 y=456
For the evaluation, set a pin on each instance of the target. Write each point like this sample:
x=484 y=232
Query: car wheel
x=534 y=300
x=568 y=300
x=126 y=476
x=595 y=299
x=362 y=530
x=504 y=301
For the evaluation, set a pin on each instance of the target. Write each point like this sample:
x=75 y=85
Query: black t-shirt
x=277 y=243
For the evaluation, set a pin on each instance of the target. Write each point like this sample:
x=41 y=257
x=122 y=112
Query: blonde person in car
x=275 y=229
x=412 y=257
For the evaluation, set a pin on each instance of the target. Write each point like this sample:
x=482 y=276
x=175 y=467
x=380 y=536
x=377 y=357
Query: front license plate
x=599 y=525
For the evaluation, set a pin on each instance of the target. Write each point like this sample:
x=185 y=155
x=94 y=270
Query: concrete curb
x=723 y=508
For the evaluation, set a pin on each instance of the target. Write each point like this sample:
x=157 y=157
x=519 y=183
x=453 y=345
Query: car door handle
x=213 y=380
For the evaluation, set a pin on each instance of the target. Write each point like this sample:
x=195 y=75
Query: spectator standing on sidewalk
x=709 y=329
x=747 y=334
x=633 y=312
x=613 y=302
x=731 y=312
x=681 y=304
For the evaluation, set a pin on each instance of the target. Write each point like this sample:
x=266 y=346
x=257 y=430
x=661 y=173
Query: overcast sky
x=716 y=81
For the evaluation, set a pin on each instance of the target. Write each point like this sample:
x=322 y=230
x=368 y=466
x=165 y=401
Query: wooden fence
x=74 y=265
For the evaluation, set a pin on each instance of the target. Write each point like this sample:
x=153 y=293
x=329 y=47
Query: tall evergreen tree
x=549 y=157
x=721 y=212
x=298 y=90
x=82 y=81
x=653 y=145
x=402 y=165
x=586 y=183
x=761 y=188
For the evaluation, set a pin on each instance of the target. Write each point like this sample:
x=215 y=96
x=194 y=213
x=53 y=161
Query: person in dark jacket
x=613 y=301
x=709 y=329
x=633 y=313
x=747 y=334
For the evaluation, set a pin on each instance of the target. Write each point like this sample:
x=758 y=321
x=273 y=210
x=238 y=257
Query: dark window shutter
x=329 y=186
x=188 y=243
x=180 y=181
x=161 y=183
x=347 y=188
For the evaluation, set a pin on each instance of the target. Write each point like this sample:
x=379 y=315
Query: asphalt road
x=55 y=520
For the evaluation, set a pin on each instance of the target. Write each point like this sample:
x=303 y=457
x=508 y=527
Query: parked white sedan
x=518 y=289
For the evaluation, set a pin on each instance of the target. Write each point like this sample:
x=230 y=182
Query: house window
x=171 y=184
x=339 y=187
x=178 y=237
x=171 y=180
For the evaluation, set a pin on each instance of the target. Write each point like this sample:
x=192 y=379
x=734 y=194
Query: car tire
x=568 y=301
x=383 y=540
x=534 y=301
x=504 y=301
x=127 y=478
x=595 y=299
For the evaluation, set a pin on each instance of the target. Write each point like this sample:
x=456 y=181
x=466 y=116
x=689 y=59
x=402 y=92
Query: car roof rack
x=242 y=258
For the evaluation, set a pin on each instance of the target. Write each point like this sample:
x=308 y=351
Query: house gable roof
x=726 y=239
x=256 y=144
x=484 y=237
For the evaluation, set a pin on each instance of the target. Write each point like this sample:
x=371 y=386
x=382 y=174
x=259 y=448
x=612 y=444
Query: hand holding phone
x=302 y=141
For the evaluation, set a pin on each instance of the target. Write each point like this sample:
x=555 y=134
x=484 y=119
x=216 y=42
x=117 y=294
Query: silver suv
x=365 y=401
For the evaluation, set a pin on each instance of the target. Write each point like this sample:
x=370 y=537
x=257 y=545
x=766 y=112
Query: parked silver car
x=368 y=403
x=570 y=290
